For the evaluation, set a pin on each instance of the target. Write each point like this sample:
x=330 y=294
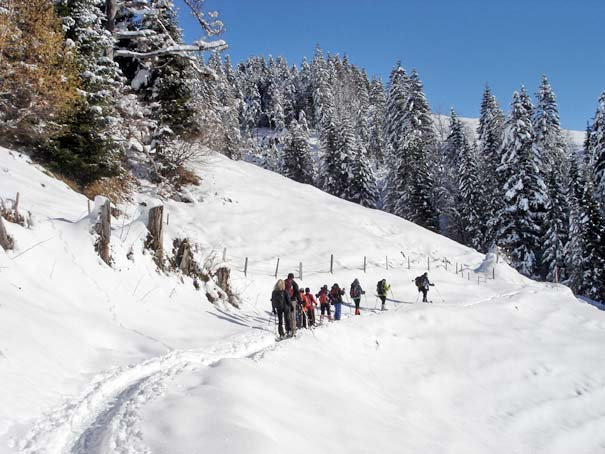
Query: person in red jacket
x=311 y=305
x=324 y=303
x=304 y=305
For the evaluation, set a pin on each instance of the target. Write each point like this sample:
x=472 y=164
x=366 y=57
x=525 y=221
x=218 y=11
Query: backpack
x=289 y=288
x=354 y=291
x=380 y=288
x=419 y=282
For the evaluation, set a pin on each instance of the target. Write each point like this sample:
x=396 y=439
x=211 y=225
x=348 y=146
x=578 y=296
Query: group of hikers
x=295 y=307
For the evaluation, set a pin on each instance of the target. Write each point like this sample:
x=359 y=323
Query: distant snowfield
x=102 y=360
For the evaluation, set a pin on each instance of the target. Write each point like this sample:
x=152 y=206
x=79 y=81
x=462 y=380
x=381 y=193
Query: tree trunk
x=103 y=228
x=6 y=240
x=111 y=9
x=156 y=234
x=223 y=280
x=184 y=257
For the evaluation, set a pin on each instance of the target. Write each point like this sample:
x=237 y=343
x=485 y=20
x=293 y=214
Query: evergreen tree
x=376 y=119
x=557 y=226
x=524 y=190
x=596 y=151
x=90 y=148
x=490 y=134
x=297 y=162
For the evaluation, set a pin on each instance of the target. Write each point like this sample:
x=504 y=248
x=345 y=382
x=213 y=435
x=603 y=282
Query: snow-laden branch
x=199 y=46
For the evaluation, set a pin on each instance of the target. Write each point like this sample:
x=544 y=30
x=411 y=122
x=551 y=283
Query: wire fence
x=274 y=266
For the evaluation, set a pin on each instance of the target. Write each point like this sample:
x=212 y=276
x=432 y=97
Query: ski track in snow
x=106 y=418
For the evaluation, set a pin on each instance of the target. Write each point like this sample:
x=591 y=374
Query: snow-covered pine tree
x=90 y=146
x=471 y=210
x=490 y=134
x=557 y=225
x=376 y=118
x=416 y=147
x=524 y=190
x=398 y=170
x=551 y=148
x=596 y=151
x=575 y=259
x=363 y=184
x=593 y=230
x=297 y=162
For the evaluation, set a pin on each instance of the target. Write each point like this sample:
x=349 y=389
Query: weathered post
x=16 y=206
x=277 y=268
x=224 y=254
x=103 y=229
x=386 y=259
x=331 y=263
x=300 y=275
x=246 y=267
x=428 y=263
x=365 y=263
x=88 y=203
x=155 y=238
x=184 y=257
x=494 y=273
x=408 y=263
x=6 y=241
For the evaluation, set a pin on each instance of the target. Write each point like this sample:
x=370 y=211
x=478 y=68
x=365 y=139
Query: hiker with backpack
x=280 y=302
x=356 y=292
x=382 y=289
x=304 y=310
x=324 y=303
x=423 y=284
x=335 y=296
x=311 y=305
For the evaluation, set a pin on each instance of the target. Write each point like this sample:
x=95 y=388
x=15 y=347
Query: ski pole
x=439 y=293
x=417 y=296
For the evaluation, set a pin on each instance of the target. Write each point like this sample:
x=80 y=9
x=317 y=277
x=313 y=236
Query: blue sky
x=457 y=46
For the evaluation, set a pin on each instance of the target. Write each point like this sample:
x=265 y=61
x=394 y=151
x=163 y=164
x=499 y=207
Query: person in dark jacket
x=280 y=301
x=293 y=292
x=336 y=294
x=423 y=284
x=356 y=292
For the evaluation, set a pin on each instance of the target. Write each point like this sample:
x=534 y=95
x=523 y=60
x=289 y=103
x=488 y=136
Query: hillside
x=127 y=359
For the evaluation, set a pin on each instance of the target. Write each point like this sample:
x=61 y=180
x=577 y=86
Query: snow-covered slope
x=125 y=359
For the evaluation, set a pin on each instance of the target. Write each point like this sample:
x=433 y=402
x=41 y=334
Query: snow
x=125 y=359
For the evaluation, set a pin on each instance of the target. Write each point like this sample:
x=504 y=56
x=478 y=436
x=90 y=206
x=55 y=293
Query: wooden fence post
x=155 y=239
x=331 y=263
x=277 y=268
x=300 y=268
x=428 y=263
x=494 y=273
x=88 y=203
x=456 y=267
x=246 y=267
x=16 y=206
x=469 y=275
x=409 y=263
x=103 y=229
x=478 y=280
x=224 y=254
x=365 y=262
x=167 y=218
x=386 y=259
x=6 y=241
x=446 y=264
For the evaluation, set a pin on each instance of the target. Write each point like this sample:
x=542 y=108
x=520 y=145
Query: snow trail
x=106 y=416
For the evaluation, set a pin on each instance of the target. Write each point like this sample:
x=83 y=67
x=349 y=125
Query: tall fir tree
x=490 y=134
x=297 y=162
x=524 y=190
x=596 y=151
